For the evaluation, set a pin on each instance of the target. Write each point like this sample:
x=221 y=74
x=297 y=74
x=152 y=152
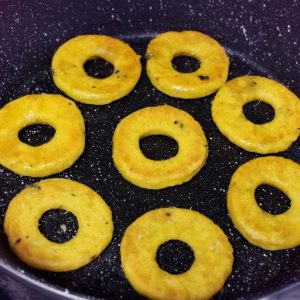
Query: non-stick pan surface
x=260 y=37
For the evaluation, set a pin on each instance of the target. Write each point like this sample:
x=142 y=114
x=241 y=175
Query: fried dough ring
x=212 y=250
x=165 y=120
x=271 y=137
x=52 y=157
x=271 y=232
x=95 y=225
x=70 y=76
x=211 y=75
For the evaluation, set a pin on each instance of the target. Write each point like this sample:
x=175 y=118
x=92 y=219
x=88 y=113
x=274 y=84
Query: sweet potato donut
x=211 y=75
x=70 y=76
x=271 y=232
x=165 y=120
x=212 y=250
x=95 y=225
x=53 y=157
x=271 y=137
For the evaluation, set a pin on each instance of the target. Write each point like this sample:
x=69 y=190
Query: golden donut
x=271 y=137
x=271 y=232
x=70 y=76
x=165 y=120
x=211 y=75
x=212 y=250
x=53 y=157
x=95 y=225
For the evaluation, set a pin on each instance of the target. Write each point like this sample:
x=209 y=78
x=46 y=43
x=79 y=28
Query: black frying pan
x=261 y=37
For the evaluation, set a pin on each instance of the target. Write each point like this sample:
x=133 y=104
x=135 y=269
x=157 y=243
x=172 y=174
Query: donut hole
x=185 y=64
x=158 y=147
x=258 y=112
x=37 y=134
x=175 y=257
x=98 y=68
x=58 y=225
x=271 y=199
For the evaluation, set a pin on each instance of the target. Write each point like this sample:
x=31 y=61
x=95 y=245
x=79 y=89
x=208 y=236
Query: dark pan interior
x=260 y=38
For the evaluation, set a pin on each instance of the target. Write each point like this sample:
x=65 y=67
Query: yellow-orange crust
x=211 y=75
x=52 y=157
x=159 y=120
x=70 y=76
x=95 y=225
x=274 y=136
x=212 y=250
x=271 y=232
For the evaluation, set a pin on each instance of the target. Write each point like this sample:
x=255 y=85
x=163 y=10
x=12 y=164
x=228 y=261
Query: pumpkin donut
x=70 y=76
x=274 y=136
x=211 y=75
x=52 y=157
x=212 y=250
x=159 y=120
x=271 y=232
x=95 y=225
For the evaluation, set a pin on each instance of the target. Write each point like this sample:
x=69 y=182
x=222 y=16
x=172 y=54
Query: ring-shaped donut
x=52 y=157
x=70 y=76
x=271 y=232
x=212 y=250
x=211 y=75
x=159 y=120
x=274 y=136
x=95 y=225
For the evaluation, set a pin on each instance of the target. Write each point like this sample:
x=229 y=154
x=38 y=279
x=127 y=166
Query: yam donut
x=160 y=120
x=95 y=225
x=274 y=136
x=271 y=232
x=211 y=75
x=49 y=158
x=70 y=76
x=212 y=250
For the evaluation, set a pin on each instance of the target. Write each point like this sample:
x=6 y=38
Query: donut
x=95 y=225
x=207 y=79
x=53 y=157
x=212 y=250
x=270 y=232
x=160 y=120
x=274 y=136
x=70 y=76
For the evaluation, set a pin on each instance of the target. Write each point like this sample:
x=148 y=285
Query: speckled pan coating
x=260 y=37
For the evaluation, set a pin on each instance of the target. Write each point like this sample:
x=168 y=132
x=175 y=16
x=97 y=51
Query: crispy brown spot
x=179 y=123
x=203 y=77
x=18 y=241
